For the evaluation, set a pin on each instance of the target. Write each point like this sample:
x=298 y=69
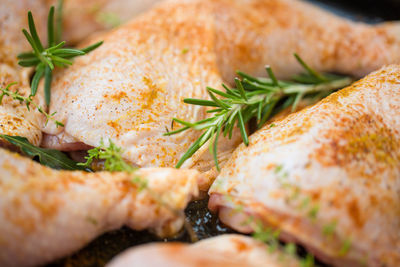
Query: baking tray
x=205 y=224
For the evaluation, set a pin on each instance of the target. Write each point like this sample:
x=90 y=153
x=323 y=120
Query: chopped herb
x=364 y=261
x=253 y=97
x=313 y=212
x=272 y=125
x=295 y=193
x=112 y=156
x=282 y=175
x=249 y=220
x=49 y=157
x=28 y=102
x=239 y=208
x=345 y=247
x=109 y=19
x=140 y=182
x=308 y=261
x=278 y=169
x=91 y=220
x=290 y=248
x=329 y=229
x=267 y=235
x=305 y=203
x=185 y=50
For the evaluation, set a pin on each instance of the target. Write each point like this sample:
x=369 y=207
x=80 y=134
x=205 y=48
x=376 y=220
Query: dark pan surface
x=205 y=224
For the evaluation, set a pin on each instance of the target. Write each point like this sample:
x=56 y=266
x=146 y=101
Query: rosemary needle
x=46 y=59
x=254 y=97
x=28 y=102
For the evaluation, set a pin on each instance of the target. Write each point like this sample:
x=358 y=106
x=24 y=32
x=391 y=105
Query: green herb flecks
x=329 y=229
x=308 y=261
x=140 y=182
x=267 y=235
x=109 y=19
x=253 y=97
x=345 y=247
x=46 y=59
x=28 y=102
x=49 y=157
x=112 y=156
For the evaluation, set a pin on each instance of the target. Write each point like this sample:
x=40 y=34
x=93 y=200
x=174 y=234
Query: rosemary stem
x=254 y=97
x=317 y=88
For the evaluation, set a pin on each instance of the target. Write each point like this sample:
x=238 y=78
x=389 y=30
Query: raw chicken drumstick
x=46 y=214
x=222 y=251
x=328 y=176
x=130 y=88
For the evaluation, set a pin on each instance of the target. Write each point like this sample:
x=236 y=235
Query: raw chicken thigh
x=327 y=177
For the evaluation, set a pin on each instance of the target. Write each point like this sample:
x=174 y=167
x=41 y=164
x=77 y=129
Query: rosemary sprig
x=253 y=97
x=28 y=102
x=46 y=59
x=112 y=156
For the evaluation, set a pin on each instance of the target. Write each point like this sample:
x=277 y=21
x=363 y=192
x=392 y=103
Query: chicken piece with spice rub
x=328 y=177
x=46 y=214
x=15 y=119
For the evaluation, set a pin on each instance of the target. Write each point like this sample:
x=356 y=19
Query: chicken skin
x=13 y=18
x=130 y=88
x=328 y=177
x=46 y=214
x=222 y=251
x=15 y=119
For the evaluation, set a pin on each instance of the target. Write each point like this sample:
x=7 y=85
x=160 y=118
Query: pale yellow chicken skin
x=13 y=18
x=130 y=88
x=222 y=251
x=327 y=177
x=46 y=214
x=15 y=119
